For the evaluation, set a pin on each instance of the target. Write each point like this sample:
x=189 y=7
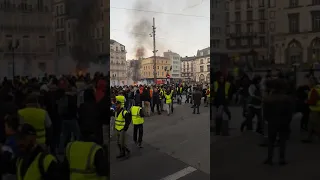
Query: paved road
x=240 y=157
x=175 y=147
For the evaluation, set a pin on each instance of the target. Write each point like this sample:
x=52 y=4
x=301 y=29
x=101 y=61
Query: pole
x=154 y=52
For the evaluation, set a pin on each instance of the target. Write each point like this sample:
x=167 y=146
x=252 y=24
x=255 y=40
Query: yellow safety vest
x=33 y=172
x=168 y=98
x=208 y=90
x=120 y=121
x=36 y=118
x=121 y=99
x=161 y=93
x=180 y=89
x=136 y=118
x=80 y=156
x=226 y=88
x=315 y=108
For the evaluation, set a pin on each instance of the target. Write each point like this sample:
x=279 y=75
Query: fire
x=140 y=52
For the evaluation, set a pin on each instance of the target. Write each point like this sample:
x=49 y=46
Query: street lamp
x=12 y=46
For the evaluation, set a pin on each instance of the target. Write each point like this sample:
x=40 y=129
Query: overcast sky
x=181 y=34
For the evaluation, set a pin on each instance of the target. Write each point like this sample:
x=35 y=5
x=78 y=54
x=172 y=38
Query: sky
x=182 y=26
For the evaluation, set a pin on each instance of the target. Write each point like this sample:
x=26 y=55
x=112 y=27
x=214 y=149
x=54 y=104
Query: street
x=239 y=156
x=175 y=147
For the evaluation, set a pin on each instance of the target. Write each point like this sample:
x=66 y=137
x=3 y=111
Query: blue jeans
x=69 y=129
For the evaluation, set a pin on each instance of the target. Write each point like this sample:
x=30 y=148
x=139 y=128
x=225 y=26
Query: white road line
x=180 y=173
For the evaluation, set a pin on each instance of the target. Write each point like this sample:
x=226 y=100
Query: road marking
x=180 y=173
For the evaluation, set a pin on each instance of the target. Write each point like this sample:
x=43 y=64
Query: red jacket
x=101 y=89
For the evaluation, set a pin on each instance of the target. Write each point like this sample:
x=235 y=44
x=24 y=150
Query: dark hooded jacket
x=89 y=115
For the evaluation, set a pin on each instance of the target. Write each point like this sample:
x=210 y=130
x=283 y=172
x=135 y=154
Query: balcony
x=243 y=34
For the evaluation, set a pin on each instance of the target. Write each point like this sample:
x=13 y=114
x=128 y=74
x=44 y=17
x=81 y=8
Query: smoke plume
x=141 y=27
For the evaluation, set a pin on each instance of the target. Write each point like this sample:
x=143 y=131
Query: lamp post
x=12 y=46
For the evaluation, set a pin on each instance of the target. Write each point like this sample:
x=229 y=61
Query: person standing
x=278 y=111
x=197 y=95
x=156 y=101
x=122 y=122
x=168 y=100
x=314 y=105
x=137 y=121
x=85 y=160
x=38 y=118
x=254 y=106
x=33 y=162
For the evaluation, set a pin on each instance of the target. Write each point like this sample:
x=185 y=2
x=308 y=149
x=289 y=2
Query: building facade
x=202 y=64
x=118 y=64
x=247 y=31
x=74 y=31
x=26 y=38
x=218 y=26
x=146 y=68
x=296 y=31
x=188 y=68
x=175 y=60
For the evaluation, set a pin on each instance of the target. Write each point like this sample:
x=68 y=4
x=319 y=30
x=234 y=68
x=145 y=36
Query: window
x=250 y=28
x=157 y=67
x=316 y=21
x=227 y=17
x=249 y=3
x=294 y=3
x=261 y=3
x=201 y=68
x=293 y=23
x=227 y=29
x=315 y=2
x=238 y=16
x=262 y=41
x=262 y=27
x=250 y=42
x=249 y=15
x=237 y=4
x=215 y=43
x=238 y=28
x=262 y=14
x=272 y=3
x=69 y=36
x=227 y=5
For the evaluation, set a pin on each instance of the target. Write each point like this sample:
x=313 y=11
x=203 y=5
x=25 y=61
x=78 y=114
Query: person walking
x=122 y=122
x=137 y=121
x=278 y=111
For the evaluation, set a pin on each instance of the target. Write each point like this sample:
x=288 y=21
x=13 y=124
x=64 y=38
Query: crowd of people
x=131 y=104
x=274 y=100
x=53 y=128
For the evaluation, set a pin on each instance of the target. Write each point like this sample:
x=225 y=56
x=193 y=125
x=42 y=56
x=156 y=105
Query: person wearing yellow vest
x=137 y=121
x=168 y=100
x=221 y=96
x=38 y=118
x=86 y=160
x=122 y=122
x=32 y=161
x=314 y=105
x=121 y=99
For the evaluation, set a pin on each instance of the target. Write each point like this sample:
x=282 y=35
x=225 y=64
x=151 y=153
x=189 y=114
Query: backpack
x=128 y=112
